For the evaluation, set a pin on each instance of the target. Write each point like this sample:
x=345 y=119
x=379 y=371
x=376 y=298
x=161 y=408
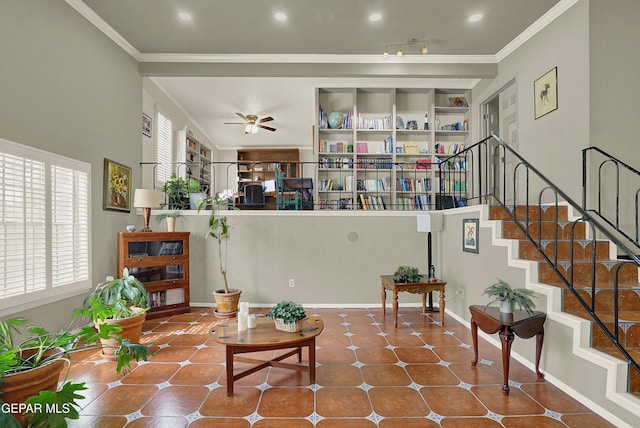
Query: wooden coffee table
x=265 y=337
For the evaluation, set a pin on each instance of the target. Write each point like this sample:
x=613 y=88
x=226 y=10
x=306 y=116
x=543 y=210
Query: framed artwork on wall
x=545 y=93
x=146 y=125
x=117 y=187
x=470 y=235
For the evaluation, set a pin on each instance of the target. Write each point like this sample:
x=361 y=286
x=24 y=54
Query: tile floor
x=368 y=375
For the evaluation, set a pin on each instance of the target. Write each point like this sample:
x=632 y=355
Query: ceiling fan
x=252 y=124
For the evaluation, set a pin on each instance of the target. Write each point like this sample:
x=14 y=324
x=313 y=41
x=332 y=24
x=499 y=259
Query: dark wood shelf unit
x=160 y=260
x=258 y=165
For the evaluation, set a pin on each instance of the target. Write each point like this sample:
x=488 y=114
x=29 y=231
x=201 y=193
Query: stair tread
x=607 y=316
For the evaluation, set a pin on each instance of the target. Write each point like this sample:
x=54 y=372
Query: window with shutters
x=44 y=227
x=164 y=149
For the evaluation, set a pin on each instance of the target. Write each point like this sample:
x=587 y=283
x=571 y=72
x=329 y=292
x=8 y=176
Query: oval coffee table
x=265 y=337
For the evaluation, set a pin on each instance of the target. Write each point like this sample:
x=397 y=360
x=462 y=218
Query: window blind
x=164 y=149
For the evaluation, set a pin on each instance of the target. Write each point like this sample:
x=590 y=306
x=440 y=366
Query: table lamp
x=146 y=199
x=431 y=222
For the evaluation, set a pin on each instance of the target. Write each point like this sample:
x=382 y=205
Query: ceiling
x=233 y=56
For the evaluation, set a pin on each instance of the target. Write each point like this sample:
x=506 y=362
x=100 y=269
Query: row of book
x=336 y=163
x=448 y=186
x=334 y=147
x=384 y=122
x=404 y=184
x=328 y=184
x=165 y=297
x=386 y=146
x=451 y=149
x=377 y=185
x=372 y=202
x=336 y=204
x=453 y=165
x=418 y=202
x=374 y=163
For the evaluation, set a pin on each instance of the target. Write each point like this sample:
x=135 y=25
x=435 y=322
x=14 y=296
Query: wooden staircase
x=543 y=224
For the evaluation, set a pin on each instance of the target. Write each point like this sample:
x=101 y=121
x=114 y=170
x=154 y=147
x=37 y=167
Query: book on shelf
x=423 y=164
x=362 y=147
x=410 y=148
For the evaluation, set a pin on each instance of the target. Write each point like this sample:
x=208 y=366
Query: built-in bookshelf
x=197 y=157
x=391 y=148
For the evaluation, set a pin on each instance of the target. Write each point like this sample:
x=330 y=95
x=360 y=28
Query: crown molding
x=101 y=25
x=557 y=10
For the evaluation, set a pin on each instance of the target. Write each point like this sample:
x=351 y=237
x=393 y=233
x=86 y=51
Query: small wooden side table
x=521 y=323
x=415 y=288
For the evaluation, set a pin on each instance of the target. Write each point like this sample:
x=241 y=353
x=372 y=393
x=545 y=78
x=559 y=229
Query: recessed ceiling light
x=280 y=16
x=375 y=17
x=185 y=16
x=475 y=17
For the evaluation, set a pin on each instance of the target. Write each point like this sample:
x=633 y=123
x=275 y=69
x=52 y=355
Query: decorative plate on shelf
x=399 y=123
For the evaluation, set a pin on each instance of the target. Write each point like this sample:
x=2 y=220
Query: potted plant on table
x=509 y=297
x=288 y=316
x=406 y=274
x=30 y=369
x=122 y=302
x=170 y=217
x=195 y=191
x=226 y=298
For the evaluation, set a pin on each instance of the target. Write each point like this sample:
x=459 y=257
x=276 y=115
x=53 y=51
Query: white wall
x=68 y=89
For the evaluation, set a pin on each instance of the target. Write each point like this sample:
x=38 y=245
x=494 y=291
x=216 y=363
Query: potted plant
x=195 y=191
x=170 y=218
x=226 y=298
x=123 y=302
x=30 y=370
x=176 y=191
x=288 y=316
x=509 y=297
x=406 y=274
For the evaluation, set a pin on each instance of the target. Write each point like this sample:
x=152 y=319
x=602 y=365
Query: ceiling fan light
x=247 y=129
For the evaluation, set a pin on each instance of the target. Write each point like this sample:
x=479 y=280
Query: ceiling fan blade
x=242 y=116
x=266 y=119
x=268 y=128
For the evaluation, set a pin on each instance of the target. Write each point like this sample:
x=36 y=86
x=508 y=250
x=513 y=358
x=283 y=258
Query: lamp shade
x=431 y=222
x=146 y=198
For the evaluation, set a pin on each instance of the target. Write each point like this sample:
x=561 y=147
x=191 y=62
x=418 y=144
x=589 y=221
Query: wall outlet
x=292 y=283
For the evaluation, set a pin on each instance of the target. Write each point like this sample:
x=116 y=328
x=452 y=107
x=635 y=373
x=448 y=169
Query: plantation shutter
x=165 y=148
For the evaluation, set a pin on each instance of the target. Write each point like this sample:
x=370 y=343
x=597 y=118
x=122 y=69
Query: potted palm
x=509 y=297
x=122 y=302
x=196 y=194
x=30 y=369
x=288 y=316
x=170 y=217
x=226 y=298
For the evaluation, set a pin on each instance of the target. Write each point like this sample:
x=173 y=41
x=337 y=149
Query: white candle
x=244 y=308
x=251 y=321
x=242 y=322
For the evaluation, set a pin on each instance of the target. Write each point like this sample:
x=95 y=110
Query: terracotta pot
x=17 y=387
x=131 y=329
x=226 y=303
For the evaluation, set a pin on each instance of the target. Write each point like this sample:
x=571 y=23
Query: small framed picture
x=146 y=125
x=458 y=102
x=545 y=93
x=117 y=187
x=470 y=235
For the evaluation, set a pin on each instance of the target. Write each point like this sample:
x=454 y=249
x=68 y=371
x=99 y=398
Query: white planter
x=194 y=198
x=505 y=307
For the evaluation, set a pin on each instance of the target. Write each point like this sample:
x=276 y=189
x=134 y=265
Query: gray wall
x=68 y=89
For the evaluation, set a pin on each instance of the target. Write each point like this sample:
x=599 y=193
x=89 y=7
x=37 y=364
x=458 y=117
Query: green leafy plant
x=219 y=229
x=502 y=291
x=176 y=190
x=289 y=312
x=38 y=347
x=163 y=216
x=119 y=298
x=192 y=185
x=406 y=274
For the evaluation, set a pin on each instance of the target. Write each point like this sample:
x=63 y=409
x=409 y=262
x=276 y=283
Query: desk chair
x=254 y=196
x=286 y=198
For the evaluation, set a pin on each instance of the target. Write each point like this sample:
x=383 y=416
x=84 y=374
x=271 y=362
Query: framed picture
x=545 y=93
x=117 y=186
x=146 y=125
x=470 y=235
x=458 y=102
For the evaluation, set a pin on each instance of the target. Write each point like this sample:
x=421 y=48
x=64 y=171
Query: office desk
x=416 y=288
x=521 y=323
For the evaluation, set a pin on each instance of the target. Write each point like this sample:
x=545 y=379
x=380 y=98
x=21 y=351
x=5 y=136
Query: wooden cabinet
x=391 y=148
x=160 y=260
